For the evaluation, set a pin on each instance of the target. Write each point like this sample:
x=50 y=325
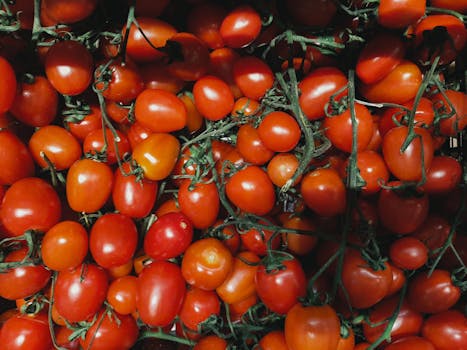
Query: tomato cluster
x=275 y=175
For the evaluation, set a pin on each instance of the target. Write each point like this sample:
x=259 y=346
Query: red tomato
x=69 y=61
x=137 y=133
x=211 y=342
x=204 y=21
x=454 y=5
x=253 y=76
x=251 y=190
x=373 y=171
x=258 y=241
x=70 y=11
x=213 y=98
x=150 y=8
x=397 y=14
x=156 y=75
x=195 y=119
x=26 y=332
x=312 y=327
x=433 y=232
x=79 y=293
x=103 y=143
x=451 y=125
x=7 y=86
x=299 y=244
x=240 y=27
x=311 y=13
x=446 y=330
x=273 y=340
x=279 y=131
x=121 y=294
x=81 y=127
x=282 y=167
x=411 y=342
x=251 y=147
x=408 y=253
x=198 y=305
x=15 y=160
x=88 y=185
x=160 y=293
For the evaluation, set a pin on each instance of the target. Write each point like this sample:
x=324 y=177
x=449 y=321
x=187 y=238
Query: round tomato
x=15 y=159
x=7 y=86
x=26 y=332
x=213 y=98
x=282 y=167
x=251 y=147
x=279 y=131
x=121 y=294
x=104 y=143
x=443 y=176
x=253 y=76
x=211 y=342
x=408 y=253
x=198 y=305
x=396 y=14
x=274 y=340
x=240 y=27
x=446 y=330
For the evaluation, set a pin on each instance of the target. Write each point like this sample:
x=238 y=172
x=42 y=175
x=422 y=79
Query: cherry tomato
x=240 y=27
x=8 y=85
x=446 y=330
x=198 y=305
x=408 y=253
x=213 y=98
x=251 y=147
x=455 y=123
x=373 y=171
x=433 y=232
x=211 y=342
x=397 y=14
x=70 y=11
x=83 y=126
x=156 y=75
x=15 y=159
x=279 y=131
x=204 y=21
x=258 y=240
x=26 y=332
x=282 y=167
x=458 y=6
x=253 y=76
x=299 y=244
x=121 y=294
x=411 y=342
x=104 y=142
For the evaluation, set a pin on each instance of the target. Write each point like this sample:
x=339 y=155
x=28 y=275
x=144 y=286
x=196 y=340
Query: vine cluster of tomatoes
x=275 y=175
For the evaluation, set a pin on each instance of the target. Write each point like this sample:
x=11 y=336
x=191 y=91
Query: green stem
x=165 y=336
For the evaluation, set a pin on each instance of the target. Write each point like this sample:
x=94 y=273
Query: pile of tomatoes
x=275 y=175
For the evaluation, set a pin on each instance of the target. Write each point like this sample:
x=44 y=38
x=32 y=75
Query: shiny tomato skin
x=251 y=190
x=94 y=144
x=160 y=293
x=410 y=343
x=397 y=14
x=198 y=305
x=452 y=125
x=213 y=97
x=88 y=185
x=70 y=11
x=296 y=243
x=279 y=131
x=251 y=147
x=26 y=332
x=15 y=159
x=121 y=294
x=443 y=176
x=240 y=27
x=8 y=85
x=373 y=171
x=408 y=253
x=211 y=342
x=253 y=76
x=282 y=167
x=433 y=232
x=90 y=122
x=30 y=204
x=68 y=67
x=258 y=240
x=273 y=340
x=446 y=330
x=79 y=293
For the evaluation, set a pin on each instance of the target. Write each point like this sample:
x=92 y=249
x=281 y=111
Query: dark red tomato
x=282 y=167
x=88 y=185
x=324 y=192
x=69 y=67
x=111 y=332
x=64 y=246
x=451 y=125
x=317 y=88
x=446 y=330
x=376 y=61
x=338 y=129
x=150 y=8
x=169 y=236
x=117 y=144
x=408 y=253
x=280 y=288
x=253 y=76
x=204 y=21
x=199 y=202
x=30 y=204
x=132 y=197
x=240 y=27
x=454 y=5
x=117 y=112
x=251 y=190
x=81 y=127
x=433 y=232
x=311 y=13
x=299 y=244
x=206 y=263
x=211 y=342
x=408 y=165
x=312 y=327
x=433 y=293
x=157 y=76
x=15 y=160
x=221 y=62
x=26 y=332
x=274 y=340
x=113 y=239
x=251 y=147
x=410 y=343
x=198 y=306
x=213 y=98
x=443 y=176
x=279 y=131
x=137 y=133
x=160 y=111
x=62 y=338
x=156 y=31
x=121 y=294
x=60 y=147
x=36 y=102
x=79 y=293
x=396 y=14
x=7 y=86
x=69 y=11
x=364 y=285
x=161 y=289
x=408 y=321
x=258 y=240
x=400 y=212
x=22 y=281
x=399 y=86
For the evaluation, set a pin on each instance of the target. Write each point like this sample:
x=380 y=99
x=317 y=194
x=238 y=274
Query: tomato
x=70 y=11
x=251 y=147
x=411 y=342
x=251 y=190
x=198 y=306
x=324 y=192
x=204 y=20
x=433 y=232
x=407 y=77
x=195 y=119
x=338 y=129
x=103 y=142
x=213 y=98
x=273 y=340
x=157 y=155
x=221 y=63
x=62 y=338
x=79 y=293
x=36 y=102
x=348 y=342
x=408 y=253
x=409 y=164
x=169 y=236
x=458 y=6
x=157 y=76
x=199 y=202
x=121 y=294
x=150 y=8
x=211 y=342
x=282 y=167
x=312 y=327
x=373 y=171
x=375 y=61
x=26 y=332
x=68 y=67
x=88 y=185
x=408 y=321
x=137 y=133
x=396 y=14
x=15 y=159
x=240 y=283
x=206 y=263
x=455 y=123
x=245 y=106
x=160 y=111
x=157 y=33
x=253 y=76
x=8 y=85
x=81 y=127
x=280 y=288
x=30 y=204
x=364 y=285
x=22 y=281
x=160 y=293
x=299 y=244
x=312 y=13
x=446 y=330
x=113 y=239
x=64 y=246
x=111 y=332
x=279 y=131
x=258 y=240
x=433 y=293
x=240 y=27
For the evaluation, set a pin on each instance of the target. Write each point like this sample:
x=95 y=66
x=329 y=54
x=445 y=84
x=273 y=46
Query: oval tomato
x=121 y=294
x=83 y=126
x=250 y=145
x=443 y=176
x=240 y=27
x=397 y=14
x=408 y=253
x=273 y=340
x=198 y=305
x=213 y=98
x=279 y=131
x=70 y=11
x=282 y=167
x=454 y=111
x=412 y=342
x=26 y=332
x=211 y=342
x=204 y=21
x=260 y=241
x=15 y=159
x=446 y=330
x=253 y=76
